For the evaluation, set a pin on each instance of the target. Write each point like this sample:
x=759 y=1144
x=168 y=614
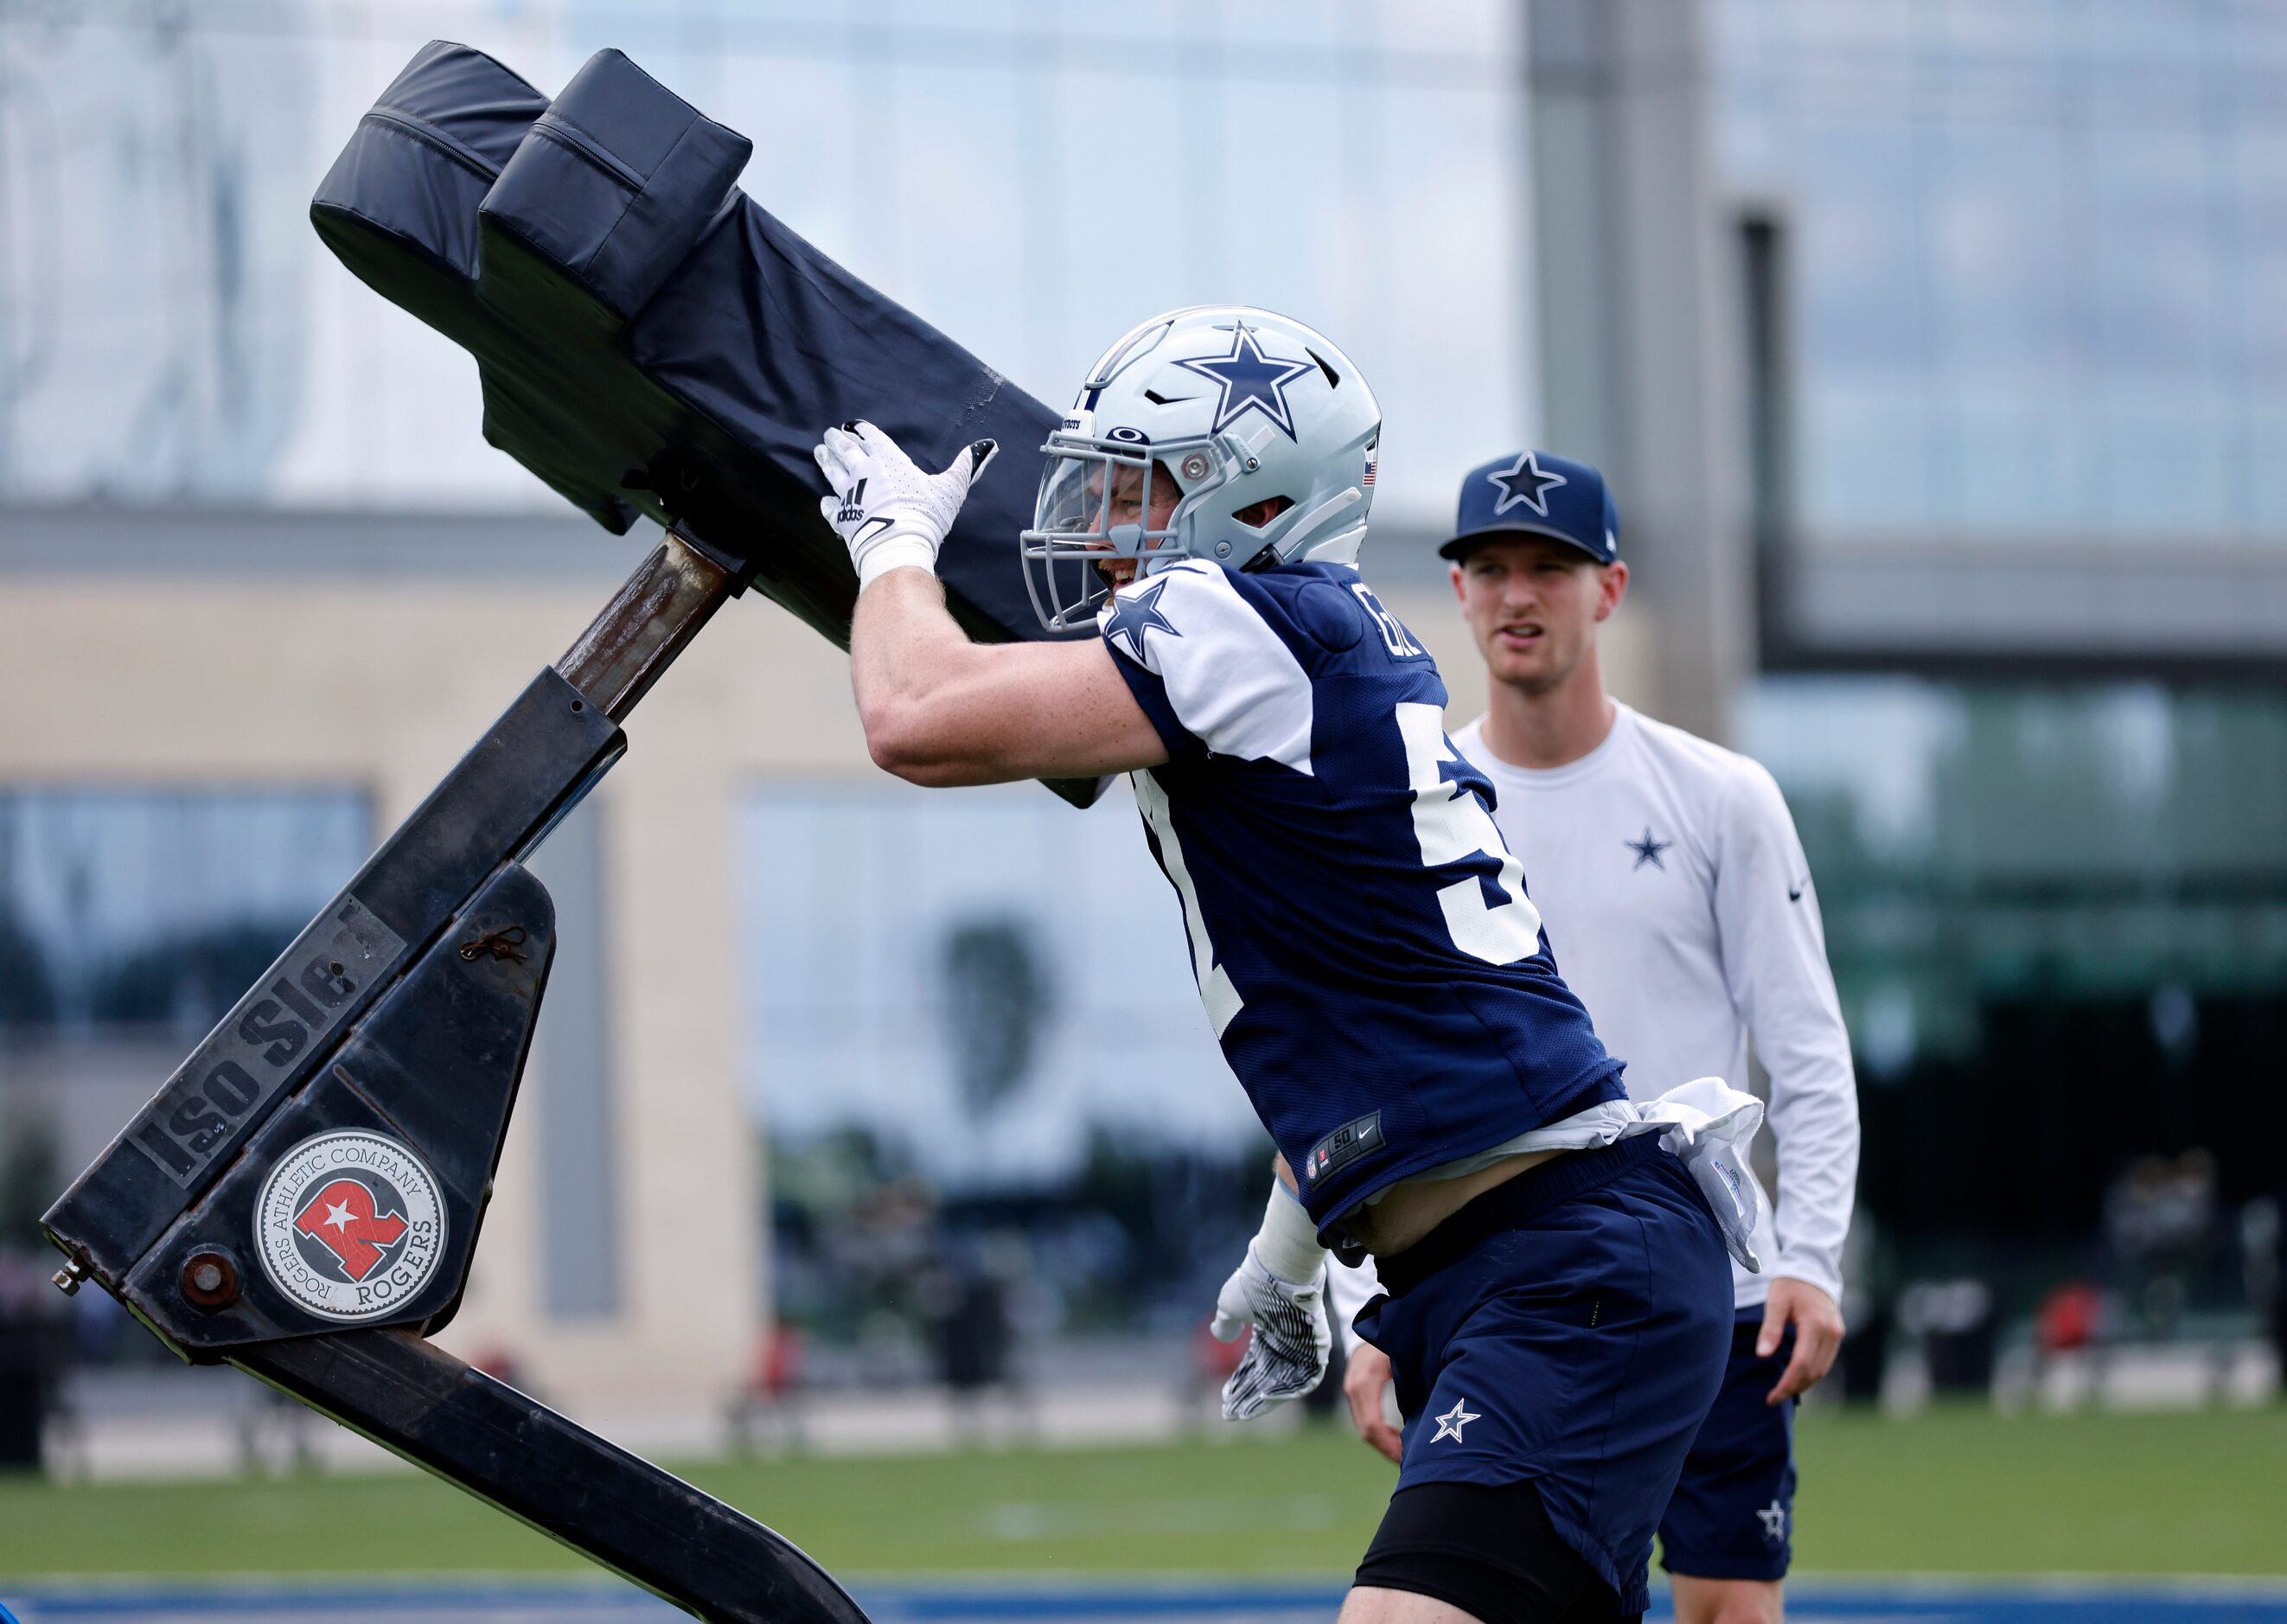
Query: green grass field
x=1955 y=1491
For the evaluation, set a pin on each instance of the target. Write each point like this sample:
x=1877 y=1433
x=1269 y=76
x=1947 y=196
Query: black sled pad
x=651 y=341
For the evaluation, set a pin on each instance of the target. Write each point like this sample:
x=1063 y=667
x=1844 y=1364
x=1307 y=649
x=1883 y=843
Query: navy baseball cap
x=1536 y=493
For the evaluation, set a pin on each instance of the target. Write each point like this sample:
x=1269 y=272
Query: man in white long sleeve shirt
x=1679 y=906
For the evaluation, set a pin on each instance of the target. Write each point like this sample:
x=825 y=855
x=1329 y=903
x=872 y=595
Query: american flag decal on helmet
x=1367 y=478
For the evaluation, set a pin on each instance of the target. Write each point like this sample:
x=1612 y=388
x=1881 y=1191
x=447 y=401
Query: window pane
x=137 y=909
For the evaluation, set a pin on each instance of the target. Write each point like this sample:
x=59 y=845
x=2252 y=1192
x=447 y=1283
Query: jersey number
x=1449 y=823
x=1452 y=825
x=1395 y=638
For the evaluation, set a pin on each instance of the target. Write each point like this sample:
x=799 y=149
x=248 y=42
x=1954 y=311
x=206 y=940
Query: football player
x=1556 y=1307
x=1676 y=892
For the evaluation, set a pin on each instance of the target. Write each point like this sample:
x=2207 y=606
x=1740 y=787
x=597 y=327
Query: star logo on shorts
x=1774 y=1520
x=1449 y=1424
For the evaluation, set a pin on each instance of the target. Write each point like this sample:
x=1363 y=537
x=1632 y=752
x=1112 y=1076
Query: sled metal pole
x=650 y=620
x=613 y=1508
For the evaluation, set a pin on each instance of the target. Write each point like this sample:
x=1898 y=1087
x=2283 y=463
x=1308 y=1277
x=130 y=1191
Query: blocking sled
x=650 y=341
x=302 y=1198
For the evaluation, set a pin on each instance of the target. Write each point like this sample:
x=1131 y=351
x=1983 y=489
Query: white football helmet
x=1266 y=431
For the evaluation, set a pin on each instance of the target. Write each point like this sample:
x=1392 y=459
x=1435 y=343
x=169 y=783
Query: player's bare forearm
x=941 y=711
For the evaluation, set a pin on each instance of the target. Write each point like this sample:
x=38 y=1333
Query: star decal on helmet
x=1526 y=483
x=1249 y=378
x=1134 y=614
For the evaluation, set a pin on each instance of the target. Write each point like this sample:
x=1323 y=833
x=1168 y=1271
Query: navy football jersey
x=1369 y=959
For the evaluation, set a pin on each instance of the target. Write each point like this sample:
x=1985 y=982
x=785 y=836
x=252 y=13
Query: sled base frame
x=484 y=1437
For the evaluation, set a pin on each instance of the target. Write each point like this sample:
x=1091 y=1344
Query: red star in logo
x=342 y=1218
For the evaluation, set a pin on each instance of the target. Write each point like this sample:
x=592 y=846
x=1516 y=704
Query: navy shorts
x=1733 y=1514
x=1568 y=1327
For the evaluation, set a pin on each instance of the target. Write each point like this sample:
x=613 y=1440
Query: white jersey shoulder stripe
x=1233 y=683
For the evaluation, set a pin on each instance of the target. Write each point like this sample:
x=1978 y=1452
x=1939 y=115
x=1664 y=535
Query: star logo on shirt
x=1449 y=1424
x=1133 y=614
x=1772 y=1518
x=1248 y=377
x=1647 y=850
x=1526 y=483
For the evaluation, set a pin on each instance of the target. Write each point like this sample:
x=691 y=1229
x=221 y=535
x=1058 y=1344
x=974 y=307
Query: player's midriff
x=1409 y=1209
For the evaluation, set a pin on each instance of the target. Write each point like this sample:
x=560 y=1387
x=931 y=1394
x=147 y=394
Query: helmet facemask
x=1095 y=515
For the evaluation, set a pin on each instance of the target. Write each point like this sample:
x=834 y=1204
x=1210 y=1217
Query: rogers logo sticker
x=350 y=1225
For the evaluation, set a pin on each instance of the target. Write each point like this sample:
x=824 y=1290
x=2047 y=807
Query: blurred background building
x=1930 y=348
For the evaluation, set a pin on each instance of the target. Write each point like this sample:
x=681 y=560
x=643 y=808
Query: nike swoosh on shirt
x=1795 y=891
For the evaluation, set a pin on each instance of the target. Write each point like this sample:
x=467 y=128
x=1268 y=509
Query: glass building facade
x=2057 y=916
x=150 y=911
x=2036 y=250
x=1027 y=987
x=2030 y=256
x=1035 y=178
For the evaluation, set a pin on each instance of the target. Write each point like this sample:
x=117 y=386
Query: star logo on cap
x=1525 y=484
x=1248 y=378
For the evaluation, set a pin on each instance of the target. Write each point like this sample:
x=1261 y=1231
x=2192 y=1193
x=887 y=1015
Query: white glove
x=1287 y=1356
x=888 y=512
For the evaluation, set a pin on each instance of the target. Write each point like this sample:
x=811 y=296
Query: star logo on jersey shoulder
x=1774 y=1520
x=1449 y=1424
x=1133 y=614
x=1647 y=850
x=1248 y=378
x=1524 y=485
